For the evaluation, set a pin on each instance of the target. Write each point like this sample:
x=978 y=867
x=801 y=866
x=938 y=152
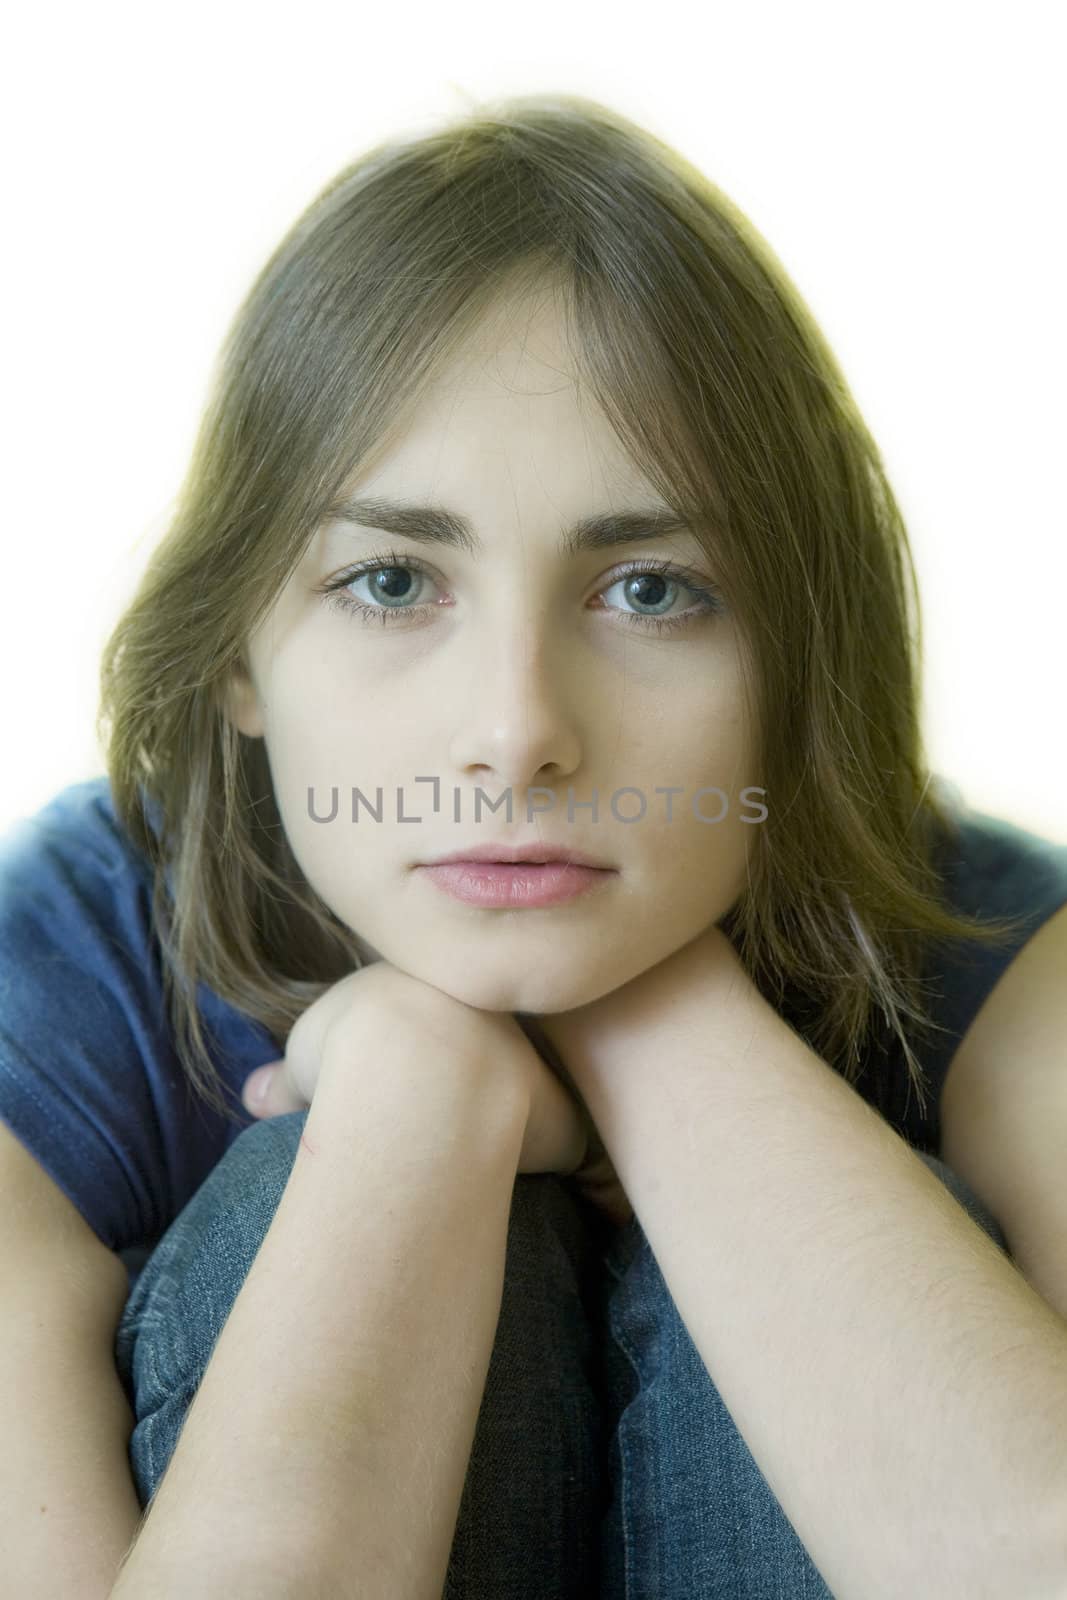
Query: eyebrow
x=432 y=524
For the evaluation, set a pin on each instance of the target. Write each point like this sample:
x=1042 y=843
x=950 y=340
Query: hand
x=588 y=1044
x=596 y=1178
x=373 y=1003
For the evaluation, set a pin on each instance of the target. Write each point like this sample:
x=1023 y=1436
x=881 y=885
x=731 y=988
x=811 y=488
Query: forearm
x=328 y=1442
x=901 y=1386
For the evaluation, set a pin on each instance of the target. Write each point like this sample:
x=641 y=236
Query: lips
x=515 y=885
x=531 y=854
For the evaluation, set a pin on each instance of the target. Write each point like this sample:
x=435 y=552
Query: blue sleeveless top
x=990 y=868
x=90 y=1080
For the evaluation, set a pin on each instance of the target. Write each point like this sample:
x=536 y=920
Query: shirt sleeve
x=90 y=1082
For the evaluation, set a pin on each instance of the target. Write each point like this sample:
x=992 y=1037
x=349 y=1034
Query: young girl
x=592 y=1234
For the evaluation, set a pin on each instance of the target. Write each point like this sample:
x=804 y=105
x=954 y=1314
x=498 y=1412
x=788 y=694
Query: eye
x=654 y=584
x=399 y=582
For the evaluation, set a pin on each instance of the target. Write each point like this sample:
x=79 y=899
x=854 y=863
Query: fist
x=379 y=1012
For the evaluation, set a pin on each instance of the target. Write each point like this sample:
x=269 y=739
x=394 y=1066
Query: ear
x=240 y=703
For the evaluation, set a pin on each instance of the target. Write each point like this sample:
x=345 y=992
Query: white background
x=905 y=164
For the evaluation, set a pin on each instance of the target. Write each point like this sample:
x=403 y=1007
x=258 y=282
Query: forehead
x=508 y=402
x=525 y=333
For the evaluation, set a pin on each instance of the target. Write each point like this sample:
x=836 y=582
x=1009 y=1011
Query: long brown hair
x=710 y=367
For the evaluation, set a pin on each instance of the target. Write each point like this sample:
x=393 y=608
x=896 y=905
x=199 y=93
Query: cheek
x=704 y=850
x=344 y=862
x=707 y=758
x=328 y=739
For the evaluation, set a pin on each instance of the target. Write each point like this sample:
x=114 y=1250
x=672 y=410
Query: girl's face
x=503 y=663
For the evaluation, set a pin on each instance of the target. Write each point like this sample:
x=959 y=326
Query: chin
x=536 y=995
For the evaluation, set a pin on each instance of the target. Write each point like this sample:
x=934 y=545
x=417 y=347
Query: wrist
x=428 y=1097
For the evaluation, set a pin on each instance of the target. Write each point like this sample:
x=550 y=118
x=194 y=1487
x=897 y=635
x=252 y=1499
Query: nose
x=520 y=724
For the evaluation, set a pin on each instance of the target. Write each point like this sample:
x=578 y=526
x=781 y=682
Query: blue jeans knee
x=690 y=1512
x=532 y=1497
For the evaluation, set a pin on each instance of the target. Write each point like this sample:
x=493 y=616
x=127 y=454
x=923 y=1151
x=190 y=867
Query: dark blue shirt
x=990 y=869
x=90 y=1080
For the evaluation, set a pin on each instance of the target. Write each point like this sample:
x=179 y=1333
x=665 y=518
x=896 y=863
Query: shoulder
x=80 y=999
x=71 y=881
x=75 y=896
x=1003 y=1111
x=995 y=867
x=1004 y=1108
x=75 y=838
x=91 y=1080
x=990 y=868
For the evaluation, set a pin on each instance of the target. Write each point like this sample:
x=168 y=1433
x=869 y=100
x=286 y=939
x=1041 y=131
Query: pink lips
x=503 y=885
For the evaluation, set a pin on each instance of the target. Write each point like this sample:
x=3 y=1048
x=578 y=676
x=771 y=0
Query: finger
x=267 y=1092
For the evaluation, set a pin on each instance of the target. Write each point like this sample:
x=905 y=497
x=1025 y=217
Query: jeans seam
x=624 y=1462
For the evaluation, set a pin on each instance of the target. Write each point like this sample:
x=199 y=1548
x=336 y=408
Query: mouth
x=520 y=856
x=511 y=885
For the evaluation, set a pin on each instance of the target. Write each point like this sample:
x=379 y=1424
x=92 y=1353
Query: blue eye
x=660 y=577
x=663 y=575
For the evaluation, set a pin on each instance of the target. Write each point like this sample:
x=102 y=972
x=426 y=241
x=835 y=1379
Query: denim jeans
x=604 y=1462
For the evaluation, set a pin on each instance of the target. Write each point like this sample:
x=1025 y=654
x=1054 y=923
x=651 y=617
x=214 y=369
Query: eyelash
x=710 y=601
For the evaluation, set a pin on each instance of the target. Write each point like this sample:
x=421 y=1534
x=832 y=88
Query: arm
x=328 y=1442
x=68 y=1506
x=901 y=1386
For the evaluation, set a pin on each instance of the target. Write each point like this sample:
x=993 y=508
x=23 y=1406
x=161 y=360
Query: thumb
x=264 y=1092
